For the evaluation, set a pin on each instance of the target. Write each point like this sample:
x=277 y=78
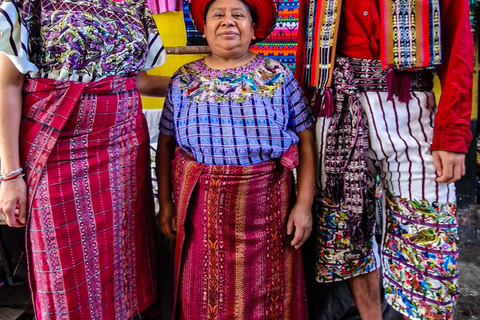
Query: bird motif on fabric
x=425 y=236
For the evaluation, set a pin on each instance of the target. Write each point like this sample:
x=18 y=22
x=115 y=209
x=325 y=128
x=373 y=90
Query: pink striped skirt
x=233 y=257
x=85 y=149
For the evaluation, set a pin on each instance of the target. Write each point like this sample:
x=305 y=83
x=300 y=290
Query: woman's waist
x=288 y=159
x=108 y=85
x=83 y=107
x=236 y=155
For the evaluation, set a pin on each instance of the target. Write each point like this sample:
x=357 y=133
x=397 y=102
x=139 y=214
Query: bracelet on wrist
x=13 y=179
x=12 y=175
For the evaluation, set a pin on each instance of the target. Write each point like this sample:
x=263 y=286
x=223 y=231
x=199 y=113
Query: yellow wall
x=475 y=80
x=172 y=30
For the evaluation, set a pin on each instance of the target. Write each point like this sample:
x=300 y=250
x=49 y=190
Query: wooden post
x=189 y=50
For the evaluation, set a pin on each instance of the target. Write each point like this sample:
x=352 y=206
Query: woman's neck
x=220 y=62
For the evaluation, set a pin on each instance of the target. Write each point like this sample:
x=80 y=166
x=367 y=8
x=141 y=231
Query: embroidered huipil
x=238 y=116
x=79 y=40
x=359 y=37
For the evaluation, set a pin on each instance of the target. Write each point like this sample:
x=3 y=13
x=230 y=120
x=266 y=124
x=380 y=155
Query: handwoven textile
x=161 y=6
x=347 y=140
x=238 y=116
x=420 y=252
x=411 y=34
x=79 y=40
x=85 y=150
x=410 y=39
x=281 y=45
x=194 y=37
x=233 y=257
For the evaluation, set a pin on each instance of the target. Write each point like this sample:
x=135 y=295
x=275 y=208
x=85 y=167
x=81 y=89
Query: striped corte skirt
x=85 y=150
x=233 y=257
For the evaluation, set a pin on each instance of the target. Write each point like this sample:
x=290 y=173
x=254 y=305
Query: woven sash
x=321 y=39
x=410 y=37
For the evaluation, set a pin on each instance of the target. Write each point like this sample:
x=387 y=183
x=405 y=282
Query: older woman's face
x=228 y=26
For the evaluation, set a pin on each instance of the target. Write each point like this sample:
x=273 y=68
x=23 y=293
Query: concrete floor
x=468 y=306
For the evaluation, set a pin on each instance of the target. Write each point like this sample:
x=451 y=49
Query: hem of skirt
x=351 y=275
x=410 y=317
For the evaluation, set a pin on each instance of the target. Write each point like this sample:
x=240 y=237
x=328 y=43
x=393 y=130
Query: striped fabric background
x=161 y=6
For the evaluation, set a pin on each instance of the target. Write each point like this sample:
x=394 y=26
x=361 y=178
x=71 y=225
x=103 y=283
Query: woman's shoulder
x=192 y=67
x=188 y=72
x=274 y=70
x=275 y=66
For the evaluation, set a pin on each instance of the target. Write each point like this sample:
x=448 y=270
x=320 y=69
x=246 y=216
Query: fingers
x=168 y=223
x=302 y=232
x=457 y=173
x=447 y=173
x=452 y=172
x=11 y=213
x=297 y=239
x=13 y=202
x=437 y=162
x=290 y=225
x=300 y=220
x=301 y=235
x=22 y=211
x=450 y=166
x=167 y=229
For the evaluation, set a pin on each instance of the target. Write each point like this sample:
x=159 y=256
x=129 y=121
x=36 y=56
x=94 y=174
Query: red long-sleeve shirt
x=359 y=37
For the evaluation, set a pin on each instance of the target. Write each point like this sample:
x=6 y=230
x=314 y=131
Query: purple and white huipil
x=237 y=116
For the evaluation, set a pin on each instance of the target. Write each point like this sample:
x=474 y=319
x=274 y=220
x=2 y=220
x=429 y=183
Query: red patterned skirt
x=233 y=258
x=85 y=150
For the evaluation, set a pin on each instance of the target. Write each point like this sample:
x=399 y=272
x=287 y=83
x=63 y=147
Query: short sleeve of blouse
x=301 y=116
x=156 y=52
x=14 y=36
x=167 y=125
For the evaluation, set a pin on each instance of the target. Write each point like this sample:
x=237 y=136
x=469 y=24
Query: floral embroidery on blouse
x=84 y=40
x=260 y=76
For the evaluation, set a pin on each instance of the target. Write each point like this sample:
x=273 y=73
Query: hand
x=300 y=218
x=168 y=220
x=13 y=202
x=450 y=165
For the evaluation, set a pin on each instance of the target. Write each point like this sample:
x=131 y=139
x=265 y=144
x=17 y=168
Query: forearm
x=306 y=168
x=152 y=86
x=164 y=157
x=11 y=84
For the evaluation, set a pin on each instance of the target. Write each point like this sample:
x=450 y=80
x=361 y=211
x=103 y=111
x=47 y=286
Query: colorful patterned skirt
x=85 y=150
x=233 y=258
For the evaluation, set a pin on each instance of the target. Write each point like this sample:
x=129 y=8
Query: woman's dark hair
x=249 y=7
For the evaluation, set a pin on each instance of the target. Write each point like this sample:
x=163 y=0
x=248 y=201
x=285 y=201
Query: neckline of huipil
x=246 y=68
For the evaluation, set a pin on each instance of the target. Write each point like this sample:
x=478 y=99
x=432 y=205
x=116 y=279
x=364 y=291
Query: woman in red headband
x=237 y=119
